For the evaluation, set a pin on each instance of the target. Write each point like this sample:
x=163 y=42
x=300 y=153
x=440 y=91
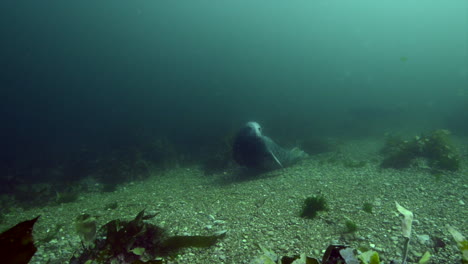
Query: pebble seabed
x=265 y=210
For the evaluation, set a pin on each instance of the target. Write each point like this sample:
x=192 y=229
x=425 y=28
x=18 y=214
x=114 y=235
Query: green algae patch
x=436 y=147
x=312 y=205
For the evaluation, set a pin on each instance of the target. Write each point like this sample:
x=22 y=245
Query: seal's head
x=254 y=128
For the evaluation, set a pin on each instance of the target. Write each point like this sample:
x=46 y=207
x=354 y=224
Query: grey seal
x=254 y=150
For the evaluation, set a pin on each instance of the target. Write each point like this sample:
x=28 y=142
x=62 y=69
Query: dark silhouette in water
x=253 y=150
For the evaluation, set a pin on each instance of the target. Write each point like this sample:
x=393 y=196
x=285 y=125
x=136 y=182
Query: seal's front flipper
x=276 y=159
x=272 y=148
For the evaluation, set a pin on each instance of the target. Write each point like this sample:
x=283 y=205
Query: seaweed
x=52 y=233
x=438 y=244
x=137 y=241
x=67 y=197
x=17 y=244
x=370 y=257
x=298 y=259
x=175 y=243
x=111 y=206
x=436 y=147
x=312 y=205
x=350 y=227
x=354 y=164
x=367 y=207
x=398 y=153
x=333 y=254
x=439 y=150
x=462 y=243
x=85 y=226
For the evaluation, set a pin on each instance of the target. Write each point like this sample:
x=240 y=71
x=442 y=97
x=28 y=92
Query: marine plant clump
x=462 y=243
x=86 y=227
x=134 y=241
x=67 y=197
x=354 y=164
x=436 y=147
x=350 y=227
x=312 y=205
x=406 y=224
x=367 y=207
x=17 y=243
x=335 y=254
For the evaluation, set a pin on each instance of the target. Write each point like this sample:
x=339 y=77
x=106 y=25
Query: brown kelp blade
x=175 y=243
x=16 y=244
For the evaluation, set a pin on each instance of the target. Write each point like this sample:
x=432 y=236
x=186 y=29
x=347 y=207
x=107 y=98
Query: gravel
x=264 y=210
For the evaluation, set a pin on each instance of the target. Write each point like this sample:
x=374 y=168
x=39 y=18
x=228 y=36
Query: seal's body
x=249 y=147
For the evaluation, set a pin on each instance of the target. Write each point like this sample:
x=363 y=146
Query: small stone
x=219 y=222
x=378 y=202
x=283 y=247
x=423 y=239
